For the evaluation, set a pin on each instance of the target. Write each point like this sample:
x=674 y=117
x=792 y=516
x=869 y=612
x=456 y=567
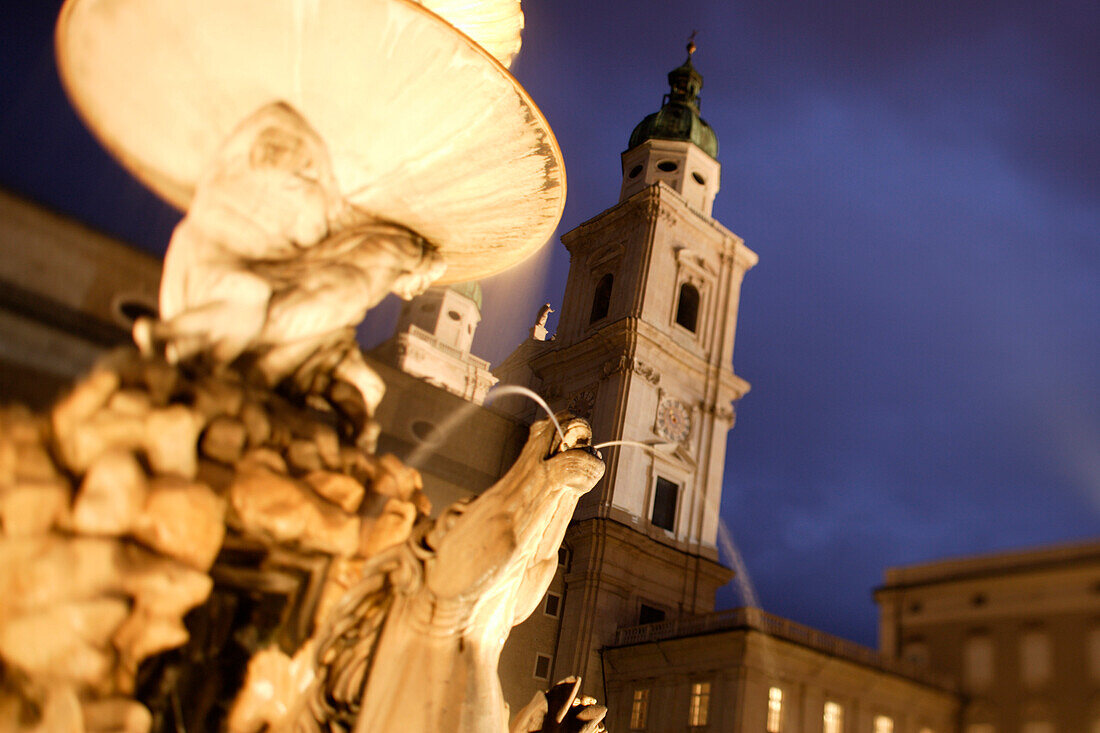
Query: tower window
x=664 y=504
x=601 y=301
x=454 y=315
x=699 y=179
x=634 y=171
x=687 y=307
x=667 y=166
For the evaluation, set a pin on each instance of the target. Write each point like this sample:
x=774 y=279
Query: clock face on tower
x=673 y=420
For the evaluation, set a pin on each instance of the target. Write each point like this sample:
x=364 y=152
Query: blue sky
x=922 y=184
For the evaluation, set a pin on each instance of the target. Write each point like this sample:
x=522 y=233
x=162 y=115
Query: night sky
x=921 y=181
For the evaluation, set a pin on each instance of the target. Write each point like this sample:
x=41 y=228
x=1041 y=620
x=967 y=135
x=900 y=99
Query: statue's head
x=275 y=138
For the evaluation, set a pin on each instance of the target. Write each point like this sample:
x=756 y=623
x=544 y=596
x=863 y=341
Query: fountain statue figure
x=272 y=268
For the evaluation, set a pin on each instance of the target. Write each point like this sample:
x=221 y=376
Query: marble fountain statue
x=199 y=536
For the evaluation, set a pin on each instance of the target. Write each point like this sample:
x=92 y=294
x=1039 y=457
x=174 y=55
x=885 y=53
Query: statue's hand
x=560 y=710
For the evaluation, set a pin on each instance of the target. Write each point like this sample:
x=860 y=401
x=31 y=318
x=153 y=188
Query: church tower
x=434 y=334
x=644 y=350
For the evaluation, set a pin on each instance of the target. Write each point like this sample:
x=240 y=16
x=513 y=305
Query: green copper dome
x=678 y=118
x=471 y=290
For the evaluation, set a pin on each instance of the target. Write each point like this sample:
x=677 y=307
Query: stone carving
x=148 y=494
x=272 y=267
x=582 y=401
x=627 y=363
x=721 y=410
x=116 y=516
x=414 y=645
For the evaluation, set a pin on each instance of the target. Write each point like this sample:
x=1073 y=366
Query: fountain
x=199 y=536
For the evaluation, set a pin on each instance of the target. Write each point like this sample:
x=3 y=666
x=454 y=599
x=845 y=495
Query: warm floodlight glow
x=424 y=126
x=495 y=24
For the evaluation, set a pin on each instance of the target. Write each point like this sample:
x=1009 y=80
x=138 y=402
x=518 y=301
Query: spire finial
x=691 y=44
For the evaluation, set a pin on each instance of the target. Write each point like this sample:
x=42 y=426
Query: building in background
x=1019 y=631
x=67 y=295
x=434 y=334
x=748 y=671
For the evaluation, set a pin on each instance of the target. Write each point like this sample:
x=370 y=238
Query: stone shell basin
x=424 y=126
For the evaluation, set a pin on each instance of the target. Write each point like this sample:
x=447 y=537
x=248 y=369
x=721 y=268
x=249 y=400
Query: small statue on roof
x=538 y=331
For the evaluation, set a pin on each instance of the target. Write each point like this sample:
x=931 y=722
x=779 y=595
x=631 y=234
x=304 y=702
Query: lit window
x=639 y=709
x=1034 y=658
x=553 y=605
x=542 y=666
x=834 y=718
x=884 y=724
x=601 y=301
x=775 y=710
x=687 y=308
x=664 y=504
x=978 y=662
x=700 y=702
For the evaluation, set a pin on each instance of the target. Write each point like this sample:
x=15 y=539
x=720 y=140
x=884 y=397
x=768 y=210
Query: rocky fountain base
x=191 y=552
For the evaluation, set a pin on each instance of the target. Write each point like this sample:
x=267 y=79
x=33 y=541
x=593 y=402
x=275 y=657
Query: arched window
x=601 y=302
x=687 y=308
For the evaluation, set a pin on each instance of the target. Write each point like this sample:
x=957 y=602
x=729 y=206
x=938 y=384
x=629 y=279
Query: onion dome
x=471 y=290
x=678 y=118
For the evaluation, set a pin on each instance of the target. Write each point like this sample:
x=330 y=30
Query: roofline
x=749 y=618
x=990 y=565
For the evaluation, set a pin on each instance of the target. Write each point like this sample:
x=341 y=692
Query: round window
x=699 y=179
x=454 y=315
x=422 y=429
x=667 y=166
